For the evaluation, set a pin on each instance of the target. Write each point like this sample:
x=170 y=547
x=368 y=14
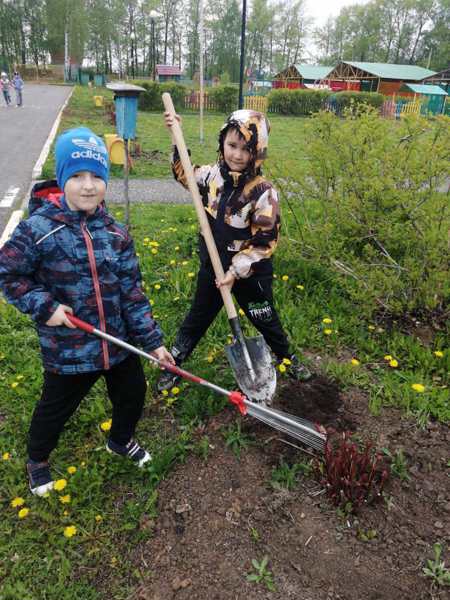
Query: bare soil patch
x=215 y=515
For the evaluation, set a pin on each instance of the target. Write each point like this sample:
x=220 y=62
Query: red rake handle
x=235 y=397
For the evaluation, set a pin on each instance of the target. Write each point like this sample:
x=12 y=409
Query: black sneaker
x=296 y=370
x=39 y=477
x=131 y=450
x=166 y=381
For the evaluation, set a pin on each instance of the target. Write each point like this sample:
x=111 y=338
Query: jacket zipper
x=98 y=295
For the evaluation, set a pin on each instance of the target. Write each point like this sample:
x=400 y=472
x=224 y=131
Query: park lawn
x=111 y=506
x=286 y=132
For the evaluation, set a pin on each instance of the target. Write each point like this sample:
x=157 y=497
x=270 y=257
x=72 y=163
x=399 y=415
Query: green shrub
x=372 y=208
x=151 y=98
x=225 y=97
x=296 y=102
x=347 y=99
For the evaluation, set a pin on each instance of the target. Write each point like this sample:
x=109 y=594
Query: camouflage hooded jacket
x=242 y=207
x=88 y=262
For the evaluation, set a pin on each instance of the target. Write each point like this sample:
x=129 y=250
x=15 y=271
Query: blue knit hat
x=79 y=149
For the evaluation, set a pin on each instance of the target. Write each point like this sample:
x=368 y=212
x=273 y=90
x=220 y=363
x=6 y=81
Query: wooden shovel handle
x=178 y=139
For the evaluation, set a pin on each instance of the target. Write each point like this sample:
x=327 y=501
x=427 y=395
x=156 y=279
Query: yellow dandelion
x=328 y=331
x=418 y=387
x=177 y=248
x=176 y=298
x=138 y=254
x=155 y=316
x=210 y=358
x=71 y=470
x=70 y=531
x=154 y=251
x=60 y=484
x=355 y=362
x=152 y=302
x=371 y=327
x=82 y=463
x=106 y=425
x=146 y=240
x=184 y=263
x=287 y=361
x=387 y=357
x=300 y=287
x=393 y=363
x=98 y=518
x=282 y=368
x=172 y=262
x=165 y=393
x=6 y=456
x=285 y=277
x=157 y=286
x=65 y=499
x=275 y=276
x=154 y=244
x=14 y=384
x=66 y=513
x=327 y=320
x=191 y=275
x=19 y=377
x=23 y=512
x=241 y=312
x=18 y=501
x=438 y=353
x=175 y=391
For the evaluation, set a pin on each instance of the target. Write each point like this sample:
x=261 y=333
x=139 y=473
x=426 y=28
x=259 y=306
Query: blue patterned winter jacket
x=88 y=262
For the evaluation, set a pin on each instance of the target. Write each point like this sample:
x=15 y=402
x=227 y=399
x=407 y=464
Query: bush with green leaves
x=296 y=102
x=225 y=97
x=352 y=99
x=373 y=207
x=151 y=98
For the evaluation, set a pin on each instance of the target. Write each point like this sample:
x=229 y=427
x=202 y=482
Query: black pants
x=254 y=296
x=62 y=394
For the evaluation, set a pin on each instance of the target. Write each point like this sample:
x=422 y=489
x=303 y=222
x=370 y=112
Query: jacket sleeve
x=143 y=330
x=19 y=262
x=264 y=224
x=178 y=172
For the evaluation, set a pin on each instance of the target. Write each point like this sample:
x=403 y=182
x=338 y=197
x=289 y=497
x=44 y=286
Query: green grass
x=155 y=139
x=112 y=506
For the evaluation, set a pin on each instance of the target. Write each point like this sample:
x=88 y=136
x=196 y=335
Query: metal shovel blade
x=258 y=384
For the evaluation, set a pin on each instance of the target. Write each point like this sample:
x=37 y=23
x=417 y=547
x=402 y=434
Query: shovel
x=310 y=434
x=249 y=358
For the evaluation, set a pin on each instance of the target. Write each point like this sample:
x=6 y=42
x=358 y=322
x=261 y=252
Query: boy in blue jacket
x=70 y=256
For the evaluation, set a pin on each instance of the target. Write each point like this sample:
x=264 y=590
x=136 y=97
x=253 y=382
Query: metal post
x=125 y=172
x=153 y=50
x=242 y=61
x=201 y=67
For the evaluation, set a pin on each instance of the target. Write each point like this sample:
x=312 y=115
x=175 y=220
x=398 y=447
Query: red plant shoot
x=354 y=474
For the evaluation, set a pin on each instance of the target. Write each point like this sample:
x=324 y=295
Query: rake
x=309 y=433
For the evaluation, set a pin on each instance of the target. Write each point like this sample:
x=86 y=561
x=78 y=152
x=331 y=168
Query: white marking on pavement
x=12 y=224
x=9 y=197
x=37 y=170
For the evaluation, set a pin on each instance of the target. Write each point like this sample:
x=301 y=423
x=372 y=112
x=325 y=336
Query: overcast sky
x=322 y=9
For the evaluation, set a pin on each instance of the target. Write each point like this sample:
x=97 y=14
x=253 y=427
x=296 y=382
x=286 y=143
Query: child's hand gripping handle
x=80 y=324
x=178 y=140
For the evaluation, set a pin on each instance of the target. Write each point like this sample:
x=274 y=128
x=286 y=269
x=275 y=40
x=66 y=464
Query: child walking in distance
x=18 y=84
x=70 y=256
x=4 y=86
x=243 y=212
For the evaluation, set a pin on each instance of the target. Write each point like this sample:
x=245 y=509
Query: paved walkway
x=24 y=132
x=159 y=191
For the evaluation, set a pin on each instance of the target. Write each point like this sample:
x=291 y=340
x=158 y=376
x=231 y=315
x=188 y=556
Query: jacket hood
x=254 y=128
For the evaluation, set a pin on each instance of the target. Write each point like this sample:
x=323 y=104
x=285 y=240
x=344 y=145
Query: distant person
x=18 y=84
x=4 y=86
